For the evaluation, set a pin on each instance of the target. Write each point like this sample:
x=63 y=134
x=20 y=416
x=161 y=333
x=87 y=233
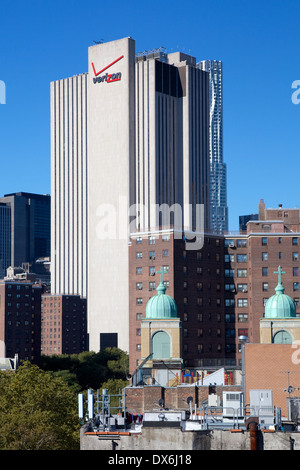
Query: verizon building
x=129 y=136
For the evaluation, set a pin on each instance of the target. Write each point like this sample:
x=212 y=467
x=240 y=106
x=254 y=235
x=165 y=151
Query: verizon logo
x=108 y=77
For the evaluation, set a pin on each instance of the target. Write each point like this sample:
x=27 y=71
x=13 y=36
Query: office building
x=127 y=138
x=5 y=238
x=25 y=219
x=218 y=169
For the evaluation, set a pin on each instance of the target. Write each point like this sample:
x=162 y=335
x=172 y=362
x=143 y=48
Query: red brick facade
x=272 y=367
x=220 y=289
x=64 y=324
x=141 y=399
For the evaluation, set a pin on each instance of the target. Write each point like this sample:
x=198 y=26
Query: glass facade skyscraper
x=218 y=171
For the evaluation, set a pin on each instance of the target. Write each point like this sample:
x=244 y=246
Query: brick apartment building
x=63 y=324
x=20 y=319
x=220 y=289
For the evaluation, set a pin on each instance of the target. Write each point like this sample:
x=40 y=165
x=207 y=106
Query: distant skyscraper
x=218 y=177
x=5 y=240
x=25 y=228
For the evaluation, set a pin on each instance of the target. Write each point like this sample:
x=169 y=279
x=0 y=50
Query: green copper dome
x=161 y=305
x=280 y=305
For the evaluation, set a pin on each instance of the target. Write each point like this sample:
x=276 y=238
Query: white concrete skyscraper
x=128 y=135
x=218 y=173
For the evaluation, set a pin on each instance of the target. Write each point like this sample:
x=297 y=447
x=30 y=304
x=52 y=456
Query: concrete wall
x=171 y=439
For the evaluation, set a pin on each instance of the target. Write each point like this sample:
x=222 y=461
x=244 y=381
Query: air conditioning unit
x=233 y=403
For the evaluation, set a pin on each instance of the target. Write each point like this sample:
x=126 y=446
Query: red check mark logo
x=105 y=68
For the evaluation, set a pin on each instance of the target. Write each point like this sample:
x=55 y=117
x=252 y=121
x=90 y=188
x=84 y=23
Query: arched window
x=282 y=337
x=161 y=345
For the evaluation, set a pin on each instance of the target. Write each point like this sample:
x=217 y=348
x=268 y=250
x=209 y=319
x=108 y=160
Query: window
x=151 y=254
x=230 y=287
x=242 y=303
x=242 y=273
x=139 y=316
x=242 y=258
x=139 y=270
x=229 y=243
x=241 y=243
x=264 y=256
x=229 y=318
x=295 y=285
x=152 y=270
x=242 y=317
x=199 y=255
x=279 y=239
x=165 y=238
x=165 y=252
x=229 y=302
x=139 y=240
x=139 y=285
x=151 y=240
x=165 y=269
x=185 y=317
x=295 y=256
x=265 y=286
x=139 y=301
x=229 y=258
x=279 y=255
x=151 y=286
x=199 y=301
x=138 y=332
x=243 y=332
x=264 y=241
x=199 y=285
x=264 y=271
x=229 y=272
x=139 y=255
x=295 y=241
x=295 y=271
x=296 y=301
x=242 y=287
x=229 y=333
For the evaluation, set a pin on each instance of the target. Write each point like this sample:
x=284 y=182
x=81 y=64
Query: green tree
x=37 y=411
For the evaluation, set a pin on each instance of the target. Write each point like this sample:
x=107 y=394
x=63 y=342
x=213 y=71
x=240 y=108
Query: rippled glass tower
x=218 y=175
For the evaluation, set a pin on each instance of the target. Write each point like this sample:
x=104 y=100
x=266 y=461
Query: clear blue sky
x=258 y=42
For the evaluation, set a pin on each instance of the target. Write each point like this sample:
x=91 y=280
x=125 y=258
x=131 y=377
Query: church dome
x=161 y=305
x=280 y=305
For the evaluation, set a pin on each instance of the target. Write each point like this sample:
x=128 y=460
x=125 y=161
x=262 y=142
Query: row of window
x=230 y=243
x=152 y=272
x=264 y=241
x=151 y=240
x=242 y=258
x=264 y=272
